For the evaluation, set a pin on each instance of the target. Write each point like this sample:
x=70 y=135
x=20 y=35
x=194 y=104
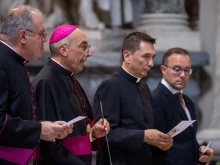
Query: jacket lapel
x=172 y=99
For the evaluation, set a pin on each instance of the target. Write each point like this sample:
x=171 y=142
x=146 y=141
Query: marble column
x=167 y=21
x=165 y=15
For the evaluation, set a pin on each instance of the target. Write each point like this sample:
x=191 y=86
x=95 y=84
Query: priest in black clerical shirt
x=126 y=102
x=59 y=96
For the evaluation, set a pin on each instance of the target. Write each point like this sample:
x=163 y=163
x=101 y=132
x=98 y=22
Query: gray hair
x=17 y=19
x=54 y=47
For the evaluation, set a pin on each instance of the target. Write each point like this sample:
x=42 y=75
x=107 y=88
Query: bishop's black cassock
x=19 y=134
x=60 y=97
x=127 y=106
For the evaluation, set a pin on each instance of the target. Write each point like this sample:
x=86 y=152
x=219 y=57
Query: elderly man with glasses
x=19 y=130
x=60 y=96
x=171 y=106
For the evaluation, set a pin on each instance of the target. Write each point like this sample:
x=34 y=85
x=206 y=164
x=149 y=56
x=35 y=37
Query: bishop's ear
x=126 y=56
x=63 y=50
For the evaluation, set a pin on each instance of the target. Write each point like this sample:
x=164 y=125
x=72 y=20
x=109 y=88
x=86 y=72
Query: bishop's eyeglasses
x=178 y=70
x=84 y=46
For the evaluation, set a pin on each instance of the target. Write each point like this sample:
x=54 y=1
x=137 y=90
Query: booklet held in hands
x=74 y=120
x=180 y=127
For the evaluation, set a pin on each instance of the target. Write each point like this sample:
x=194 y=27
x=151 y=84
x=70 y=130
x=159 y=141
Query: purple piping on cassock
x=32 y=92
x=6 y=119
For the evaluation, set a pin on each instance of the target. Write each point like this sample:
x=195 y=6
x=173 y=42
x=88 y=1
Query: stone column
x=167 y=21
x=166 y=15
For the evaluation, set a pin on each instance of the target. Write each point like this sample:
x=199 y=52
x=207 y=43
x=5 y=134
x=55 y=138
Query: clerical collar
x=6 y=44
x=60 y=67
x=15 y=55
x=166 y=84
x=137 y=79
x=130 y=76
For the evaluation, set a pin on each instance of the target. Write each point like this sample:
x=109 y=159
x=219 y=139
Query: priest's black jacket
x=126 y=104
x=59 y=96
x=18 y=131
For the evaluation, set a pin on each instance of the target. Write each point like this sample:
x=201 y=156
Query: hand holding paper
x=158 y=139
x=206 y=153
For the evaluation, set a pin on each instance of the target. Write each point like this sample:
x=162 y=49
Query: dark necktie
x=179 y=97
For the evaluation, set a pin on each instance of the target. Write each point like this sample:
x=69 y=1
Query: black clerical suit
x=127 y=106
x=168 y=112
x=19 y=134
x=60 y=97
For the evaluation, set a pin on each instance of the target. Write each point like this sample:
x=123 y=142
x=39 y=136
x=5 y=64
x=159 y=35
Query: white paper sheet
x=207 y=147
x=180 y=127
x=74 y=120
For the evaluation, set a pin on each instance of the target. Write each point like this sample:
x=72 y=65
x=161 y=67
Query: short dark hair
x=171 y=51
x=132 y=41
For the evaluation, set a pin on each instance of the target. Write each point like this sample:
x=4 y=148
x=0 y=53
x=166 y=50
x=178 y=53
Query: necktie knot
x=179 y=96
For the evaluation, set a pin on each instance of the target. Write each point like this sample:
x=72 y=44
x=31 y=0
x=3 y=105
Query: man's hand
x=51 y=131
x=208 y=155
x=158 y=139
x=100 y=128
x=68 y=129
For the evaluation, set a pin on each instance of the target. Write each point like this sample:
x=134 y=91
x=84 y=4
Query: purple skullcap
x=61 y=32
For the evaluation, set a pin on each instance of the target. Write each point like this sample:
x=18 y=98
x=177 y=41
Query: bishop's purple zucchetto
x=61 y=32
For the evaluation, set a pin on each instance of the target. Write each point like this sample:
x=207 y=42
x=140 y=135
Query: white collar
x=166 y=84
x=138 y=79
x=61 y=65
x=7 y=45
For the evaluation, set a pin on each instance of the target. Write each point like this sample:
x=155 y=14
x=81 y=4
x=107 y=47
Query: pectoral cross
x=89 y=130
